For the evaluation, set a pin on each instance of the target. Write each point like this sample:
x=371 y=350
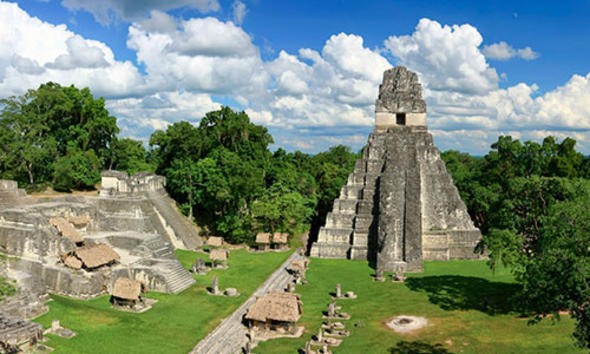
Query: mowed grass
x=468 y=308
x=175 y=324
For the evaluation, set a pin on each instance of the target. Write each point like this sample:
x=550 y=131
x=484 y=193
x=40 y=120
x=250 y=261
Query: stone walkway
x=229 y=337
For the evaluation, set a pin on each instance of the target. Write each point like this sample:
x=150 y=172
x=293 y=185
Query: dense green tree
x=216 y=169
x=129 y=155
x=280 y=209
x=557 y=277
x=76 y=170
x=532 y=210
x=43 y=128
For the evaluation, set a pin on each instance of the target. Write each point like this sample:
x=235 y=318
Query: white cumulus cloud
x=33 y=52
x=107 y=11
x=239 y=12
x=504 y=51
x=448 y=57
x=200 y=54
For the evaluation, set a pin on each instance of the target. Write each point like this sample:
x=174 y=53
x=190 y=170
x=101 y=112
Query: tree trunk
x=30 y=173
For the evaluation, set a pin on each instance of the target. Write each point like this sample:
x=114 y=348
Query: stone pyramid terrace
x=400 y=205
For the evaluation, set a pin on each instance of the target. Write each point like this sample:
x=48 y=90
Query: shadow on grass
x=453 y=292
x=418 y=347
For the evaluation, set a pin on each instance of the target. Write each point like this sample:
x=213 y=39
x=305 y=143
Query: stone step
x=164 y=252
x=177 y=278
x=367 y=194
x=356 y=178
x=339 y=221
x=330 y=250
x=333 y=235
x=363 y=221
x=364 y=207
x=359 y=253
x=345 y=206
x=360 y=239
x=351 y=191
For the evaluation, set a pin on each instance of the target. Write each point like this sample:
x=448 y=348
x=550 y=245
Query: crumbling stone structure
x=78 y=245
x=399 y=206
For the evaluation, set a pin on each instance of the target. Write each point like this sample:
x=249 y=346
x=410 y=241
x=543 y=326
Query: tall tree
x=43 y=128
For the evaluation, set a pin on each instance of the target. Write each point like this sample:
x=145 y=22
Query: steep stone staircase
x=177 y=278
x=348 y=225
x=174 y=219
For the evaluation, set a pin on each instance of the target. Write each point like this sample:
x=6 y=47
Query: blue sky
x=309 y=70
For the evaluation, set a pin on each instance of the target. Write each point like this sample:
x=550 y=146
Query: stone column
x=214 y=286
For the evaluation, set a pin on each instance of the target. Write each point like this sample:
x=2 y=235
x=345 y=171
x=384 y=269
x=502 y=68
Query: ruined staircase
x=180 y=225
x=177 y=278
x=160 y=248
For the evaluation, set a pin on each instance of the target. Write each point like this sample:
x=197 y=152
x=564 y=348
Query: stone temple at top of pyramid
x=400 y=100
x=399 y=206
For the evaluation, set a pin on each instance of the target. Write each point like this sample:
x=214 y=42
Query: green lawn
x=450 y=294
x=175 y=323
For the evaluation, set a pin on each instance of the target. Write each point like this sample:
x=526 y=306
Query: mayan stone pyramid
x=399 y=206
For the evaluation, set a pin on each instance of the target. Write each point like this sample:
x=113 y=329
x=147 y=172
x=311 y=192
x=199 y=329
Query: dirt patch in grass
x=407 y=324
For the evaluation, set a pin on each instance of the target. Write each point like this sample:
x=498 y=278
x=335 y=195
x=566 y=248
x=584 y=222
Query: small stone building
x=263 y=241
x=276 y=311
x=215 y=241
x=280 y=241
x=91 y=257
x=127 y=293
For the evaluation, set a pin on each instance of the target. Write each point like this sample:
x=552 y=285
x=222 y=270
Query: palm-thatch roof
x=276 y=306
x=127 y=289
x=66 y=229
x=280 y=238
x=215 y=241
x=218 y=255
x=79 y=220
x=263 y=238
x=72 y=262
x=97 y=255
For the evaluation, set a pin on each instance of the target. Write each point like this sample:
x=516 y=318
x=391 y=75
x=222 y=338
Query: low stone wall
x=63 y=281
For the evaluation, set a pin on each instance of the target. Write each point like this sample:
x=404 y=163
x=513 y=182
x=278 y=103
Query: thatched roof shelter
x=66 y=229
x=276 y=306
x=215 y=241
x=127 y=289
x=97 y=255
x=79 y=220
x=263 y=238
x=280 y=238
x=218 y=255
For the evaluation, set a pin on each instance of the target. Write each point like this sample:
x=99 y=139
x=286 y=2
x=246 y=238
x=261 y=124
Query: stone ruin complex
x=399 y=206
x=79 y=245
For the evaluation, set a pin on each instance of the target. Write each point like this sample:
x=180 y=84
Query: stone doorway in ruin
x=400 y=118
